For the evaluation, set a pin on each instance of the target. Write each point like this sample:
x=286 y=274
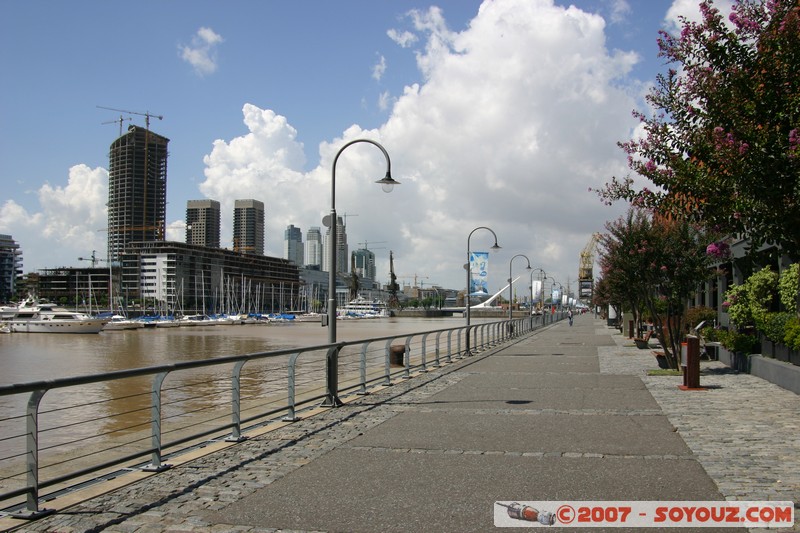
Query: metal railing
x=72 y=431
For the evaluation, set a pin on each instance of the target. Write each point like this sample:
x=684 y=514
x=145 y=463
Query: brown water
x=89 y=418
x=26 y=357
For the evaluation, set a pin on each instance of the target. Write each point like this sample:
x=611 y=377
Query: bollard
x=396 y=355
x=691 y=365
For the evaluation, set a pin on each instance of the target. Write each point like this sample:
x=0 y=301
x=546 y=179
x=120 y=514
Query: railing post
x=387 y=369
x=155 y=423
x=236 y=404
x=32 y=510
x=332 y=378
x=458 y=353
x=450 y=346
x=362 y=369
x=291 y=415
x=437 y=363
x=424 y=339
x=407 y=359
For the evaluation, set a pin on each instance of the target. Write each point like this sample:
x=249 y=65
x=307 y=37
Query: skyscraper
x=342 y=259
x=137 y=189
x=248 y=227
x=293 y=245
x=202 y=223
x=314 y=248
x=364 y=263
x=10 y=267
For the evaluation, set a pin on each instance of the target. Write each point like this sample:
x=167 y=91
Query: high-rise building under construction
x=137 y=189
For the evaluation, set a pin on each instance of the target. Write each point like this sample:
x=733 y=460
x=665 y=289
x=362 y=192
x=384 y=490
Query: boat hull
x=57 y=326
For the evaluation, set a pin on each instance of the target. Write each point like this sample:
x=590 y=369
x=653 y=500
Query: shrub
x=792 y=333
x=698 y=314
x=737 y=342
x=789 y=286
x=774 y=326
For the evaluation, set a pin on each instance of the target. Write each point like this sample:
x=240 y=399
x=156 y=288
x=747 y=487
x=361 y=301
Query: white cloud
x=519 y=115
x=202 y=53
x=379 y=68
x=71 y=221
x=384 y=100
x=403 y=38
x=690 y=9
x=620 y=9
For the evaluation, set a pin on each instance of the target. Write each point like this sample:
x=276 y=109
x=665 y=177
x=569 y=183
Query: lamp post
x=511 y=282
x=541 y=289
x=469 y=277
x=387 y=184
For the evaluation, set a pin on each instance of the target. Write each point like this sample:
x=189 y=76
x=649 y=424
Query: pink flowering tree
x=656 y=262
x=722 y=147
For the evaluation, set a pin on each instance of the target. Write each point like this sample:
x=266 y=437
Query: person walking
x=569 y=316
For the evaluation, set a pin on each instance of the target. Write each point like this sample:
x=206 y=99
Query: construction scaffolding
x=137 y=189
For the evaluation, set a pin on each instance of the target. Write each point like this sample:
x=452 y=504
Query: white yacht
x=363 y=308
x=38 y=317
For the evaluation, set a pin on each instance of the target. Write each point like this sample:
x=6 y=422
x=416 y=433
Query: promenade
x=565 y=413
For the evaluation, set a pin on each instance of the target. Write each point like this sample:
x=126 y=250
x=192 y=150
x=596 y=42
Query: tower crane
x=121 y=119
x=94 y=259
x=366 y=245
x=146 y=115
x=585 y=267
x=416 y=277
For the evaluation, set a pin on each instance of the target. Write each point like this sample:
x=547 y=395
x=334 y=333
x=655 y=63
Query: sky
x=499 y=114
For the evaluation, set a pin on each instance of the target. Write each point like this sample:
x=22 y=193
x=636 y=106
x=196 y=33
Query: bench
x=661 y=358
x=643 y=342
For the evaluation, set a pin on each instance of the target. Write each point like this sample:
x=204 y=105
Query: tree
x=656 y=260
x=723 y=146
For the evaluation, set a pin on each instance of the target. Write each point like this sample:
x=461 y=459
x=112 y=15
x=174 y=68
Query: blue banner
x=478 y=276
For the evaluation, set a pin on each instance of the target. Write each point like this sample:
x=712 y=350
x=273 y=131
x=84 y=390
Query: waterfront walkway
x=566 y=413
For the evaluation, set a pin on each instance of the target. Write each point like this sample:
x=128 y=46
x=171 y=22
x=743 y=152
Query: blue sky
x=499 y=114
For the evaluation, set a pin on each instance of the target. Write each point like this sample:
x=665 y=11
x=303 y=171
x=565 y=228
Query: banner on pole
x=478 y=273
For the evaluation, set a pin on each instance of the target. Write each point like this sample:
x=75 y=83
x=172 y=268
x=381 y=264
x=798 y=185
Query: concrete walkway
x=566 y=413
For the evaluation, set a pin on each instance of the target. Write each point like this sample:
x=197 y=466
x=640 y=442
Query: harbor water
x=35 y=357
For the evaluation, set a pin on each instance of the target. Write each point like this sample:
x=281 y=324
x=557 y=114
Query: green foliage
x=710 y=334
x=735 y=341
x=722 y=142
x=738 y=306
x=789 y=287
x=792 y=333
x=774 y=325
x=698 y=314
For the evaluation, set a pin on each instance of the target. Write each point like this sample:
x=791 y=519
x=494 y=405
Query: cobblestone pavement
x=742 y=430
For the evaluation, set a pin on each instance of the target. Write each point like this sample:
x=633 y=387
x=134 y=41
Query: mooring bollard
x=691 y=365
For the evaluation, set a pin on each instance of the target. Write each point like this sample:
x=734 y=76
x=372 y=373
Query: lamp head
x=388 y=183
x=495 y=247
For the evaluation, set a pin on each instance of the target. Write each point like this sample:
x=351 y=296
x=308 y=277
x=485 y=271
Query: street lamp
x=469 y=277
x=541 y=289
x=511 y=282
x=387 y=184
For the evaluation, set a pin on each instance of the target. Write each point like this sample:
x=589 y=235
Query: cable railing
x=73 y=431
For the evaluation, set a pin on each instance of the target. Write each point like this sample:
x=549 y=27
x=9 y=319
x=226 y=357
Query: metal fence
x=70 y=432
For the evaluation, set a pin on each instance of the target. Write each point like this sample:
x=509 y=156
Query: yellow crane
x=585 y=268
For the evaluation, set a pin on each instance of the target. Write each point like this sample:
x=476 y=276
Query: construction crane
x=121 y=119
x=416 y=277
x=146 y=115
x=366 y=245
x=585 y=268
x=94 y=259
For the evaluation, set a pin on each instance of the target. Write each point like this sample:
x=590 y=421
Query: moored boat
x=39 y=317
x=362 y=308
